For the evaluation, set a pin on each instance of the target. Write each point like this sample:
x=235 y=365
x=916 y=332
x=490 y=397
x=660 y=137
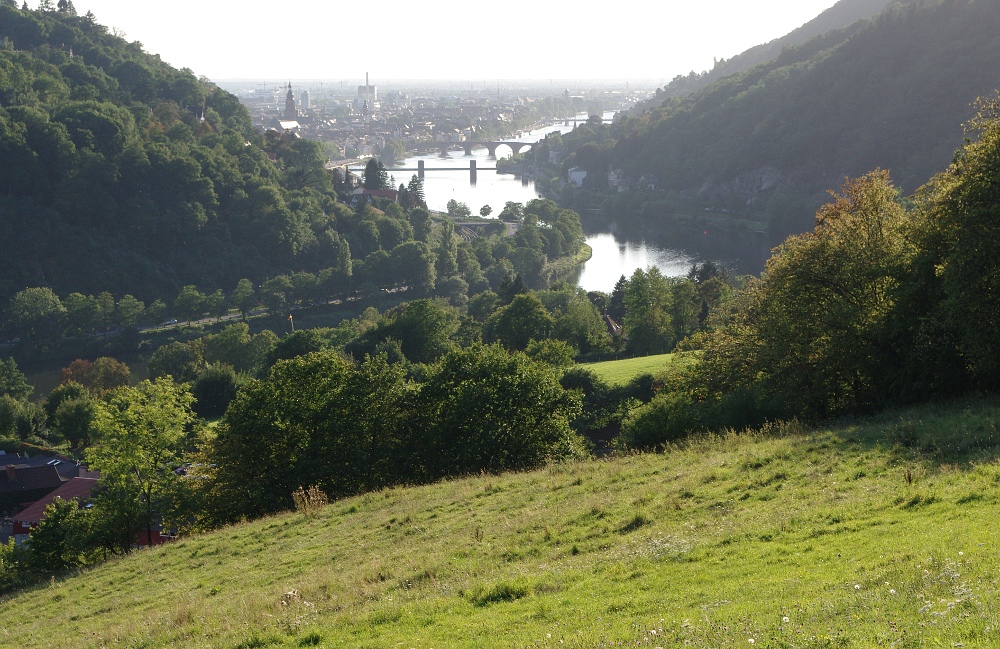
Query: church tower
x=290 y=111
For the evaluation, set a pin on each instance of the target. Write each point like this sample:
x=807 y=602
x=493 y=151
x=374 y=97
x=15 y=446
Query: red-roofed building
x=78 y=488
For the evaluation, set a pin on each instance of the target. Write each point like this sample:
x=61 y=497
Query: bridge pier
x=468 y=148
x=492 y=148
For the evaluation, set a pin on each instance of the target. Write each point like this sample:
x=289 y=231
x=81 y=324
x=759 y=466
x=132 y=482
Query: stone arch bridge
x=445 y=147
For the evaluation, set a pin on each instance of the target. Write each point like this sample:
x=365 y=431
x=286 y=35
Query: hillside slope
x=869 y=534
x=839 y=16
x=891 y=93
x=119 y=173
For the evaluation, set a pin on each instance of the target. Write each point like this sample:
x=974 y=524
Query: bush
x=213 y=391
x=667 y=418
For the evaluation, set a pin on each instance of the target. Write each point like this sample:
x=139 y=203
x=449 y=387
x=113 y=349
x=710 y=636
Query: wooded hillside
x=119 y=173
x=890 y=94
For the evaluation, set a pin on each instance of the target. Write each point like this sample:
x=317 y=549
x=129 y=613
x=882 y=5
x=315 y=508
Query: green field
x=623 y=371
x=866 y=534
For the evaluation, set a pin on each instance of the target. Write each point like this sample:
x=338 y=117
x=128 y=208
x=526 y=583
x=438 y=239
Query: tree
x=103 y=375
x=13 y=382
x=457 y=210
x=276 y=293
x=316 y=420
x=190 y=304
x=420 y=219
x=415 y=189
x=243 y=297
x=61 y=538
x=512 y=212
x=229 y=346
x=73 y=419
x=213 y=391
x=106 y=307
x=141 y=434
x=523 y=320
x=958 y=262
x=511 y=287
x=648 y=302
x=616 y=304
x=485 y=211
x=156 y=312
x=556 y=353
x=216 y=304
x=83 y=313
x=376 y=177
x=130 y=311
x=36 y=313
x=178 y=360
x=413 y=263
x=487 y=409
x=818 y=336
x=447 y=263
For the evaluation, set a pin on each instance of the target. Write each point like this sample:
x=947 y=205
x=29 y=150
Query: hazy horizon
x=314 y=41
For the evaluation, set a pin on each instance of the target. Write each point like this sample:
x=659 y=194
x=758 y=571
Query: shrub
x=309 y=501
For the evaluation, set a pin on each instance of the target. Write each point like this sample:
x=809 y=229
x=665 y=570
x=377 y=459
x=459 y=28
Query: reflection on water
x=491 y=188
x=613 y=258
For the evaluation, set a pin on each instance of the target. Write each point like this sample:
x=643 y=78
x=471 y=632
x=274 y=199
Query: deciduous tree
x=141 y=435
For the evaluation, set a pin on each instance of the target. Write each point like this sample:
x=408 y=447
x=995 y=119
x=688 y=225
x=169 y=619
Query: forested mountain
x=843 y=14
x=890 y=93
x=119 y=173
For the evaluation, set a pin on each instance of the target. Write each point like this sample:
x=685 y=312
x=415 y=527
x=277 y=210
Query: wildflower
x=892 y=591
x=751 y=640
x=857 y=586
x=785 y=619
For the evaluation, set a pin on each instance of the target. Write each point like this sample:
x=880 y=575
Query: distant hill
x=119 y=173
x=840 y=15
x=890 y=92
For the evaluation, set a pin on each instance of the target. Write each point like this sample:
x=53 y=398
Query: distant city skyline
x=448 y=39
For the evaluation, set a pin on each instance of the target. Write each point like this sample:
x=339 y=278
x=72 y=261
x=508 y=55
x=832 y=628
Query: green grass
x=623 y=371
x=869 y=533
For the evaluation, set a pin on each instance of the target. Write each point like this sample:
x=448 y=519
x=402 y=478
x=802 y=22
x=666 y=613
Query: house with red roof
x=79 y=489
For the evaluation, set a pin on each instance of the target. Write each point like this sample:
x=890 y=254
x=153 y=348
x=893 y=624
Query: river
x=613 y=256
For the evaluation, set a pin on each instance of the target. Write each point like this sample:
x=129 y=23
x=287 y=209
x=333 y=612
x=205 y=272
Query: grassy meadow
x=623 y=371
x=871 y=533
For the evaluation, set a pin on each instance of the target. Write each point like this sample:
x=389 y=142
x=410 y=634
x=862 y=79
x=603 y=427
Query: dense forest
x=119 y=173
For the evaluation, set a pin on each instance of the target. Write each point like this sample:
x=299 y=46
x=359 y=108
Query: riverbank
x=566 y=266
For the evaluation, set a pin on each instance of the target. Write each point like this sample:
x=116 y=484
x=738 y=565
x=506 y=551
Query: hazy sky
x=450 y=39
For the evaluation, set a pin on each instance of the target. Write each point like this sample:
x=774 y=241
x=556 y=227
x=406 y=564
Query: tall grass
x=868 y=533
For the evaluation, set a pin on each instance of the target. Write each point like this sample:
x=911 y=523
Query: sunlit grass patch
x=873 y=532
x=623 y=371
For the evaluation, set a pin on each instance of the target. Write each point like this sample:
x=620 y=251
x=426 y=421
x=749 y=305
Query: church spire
x=290 y=111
